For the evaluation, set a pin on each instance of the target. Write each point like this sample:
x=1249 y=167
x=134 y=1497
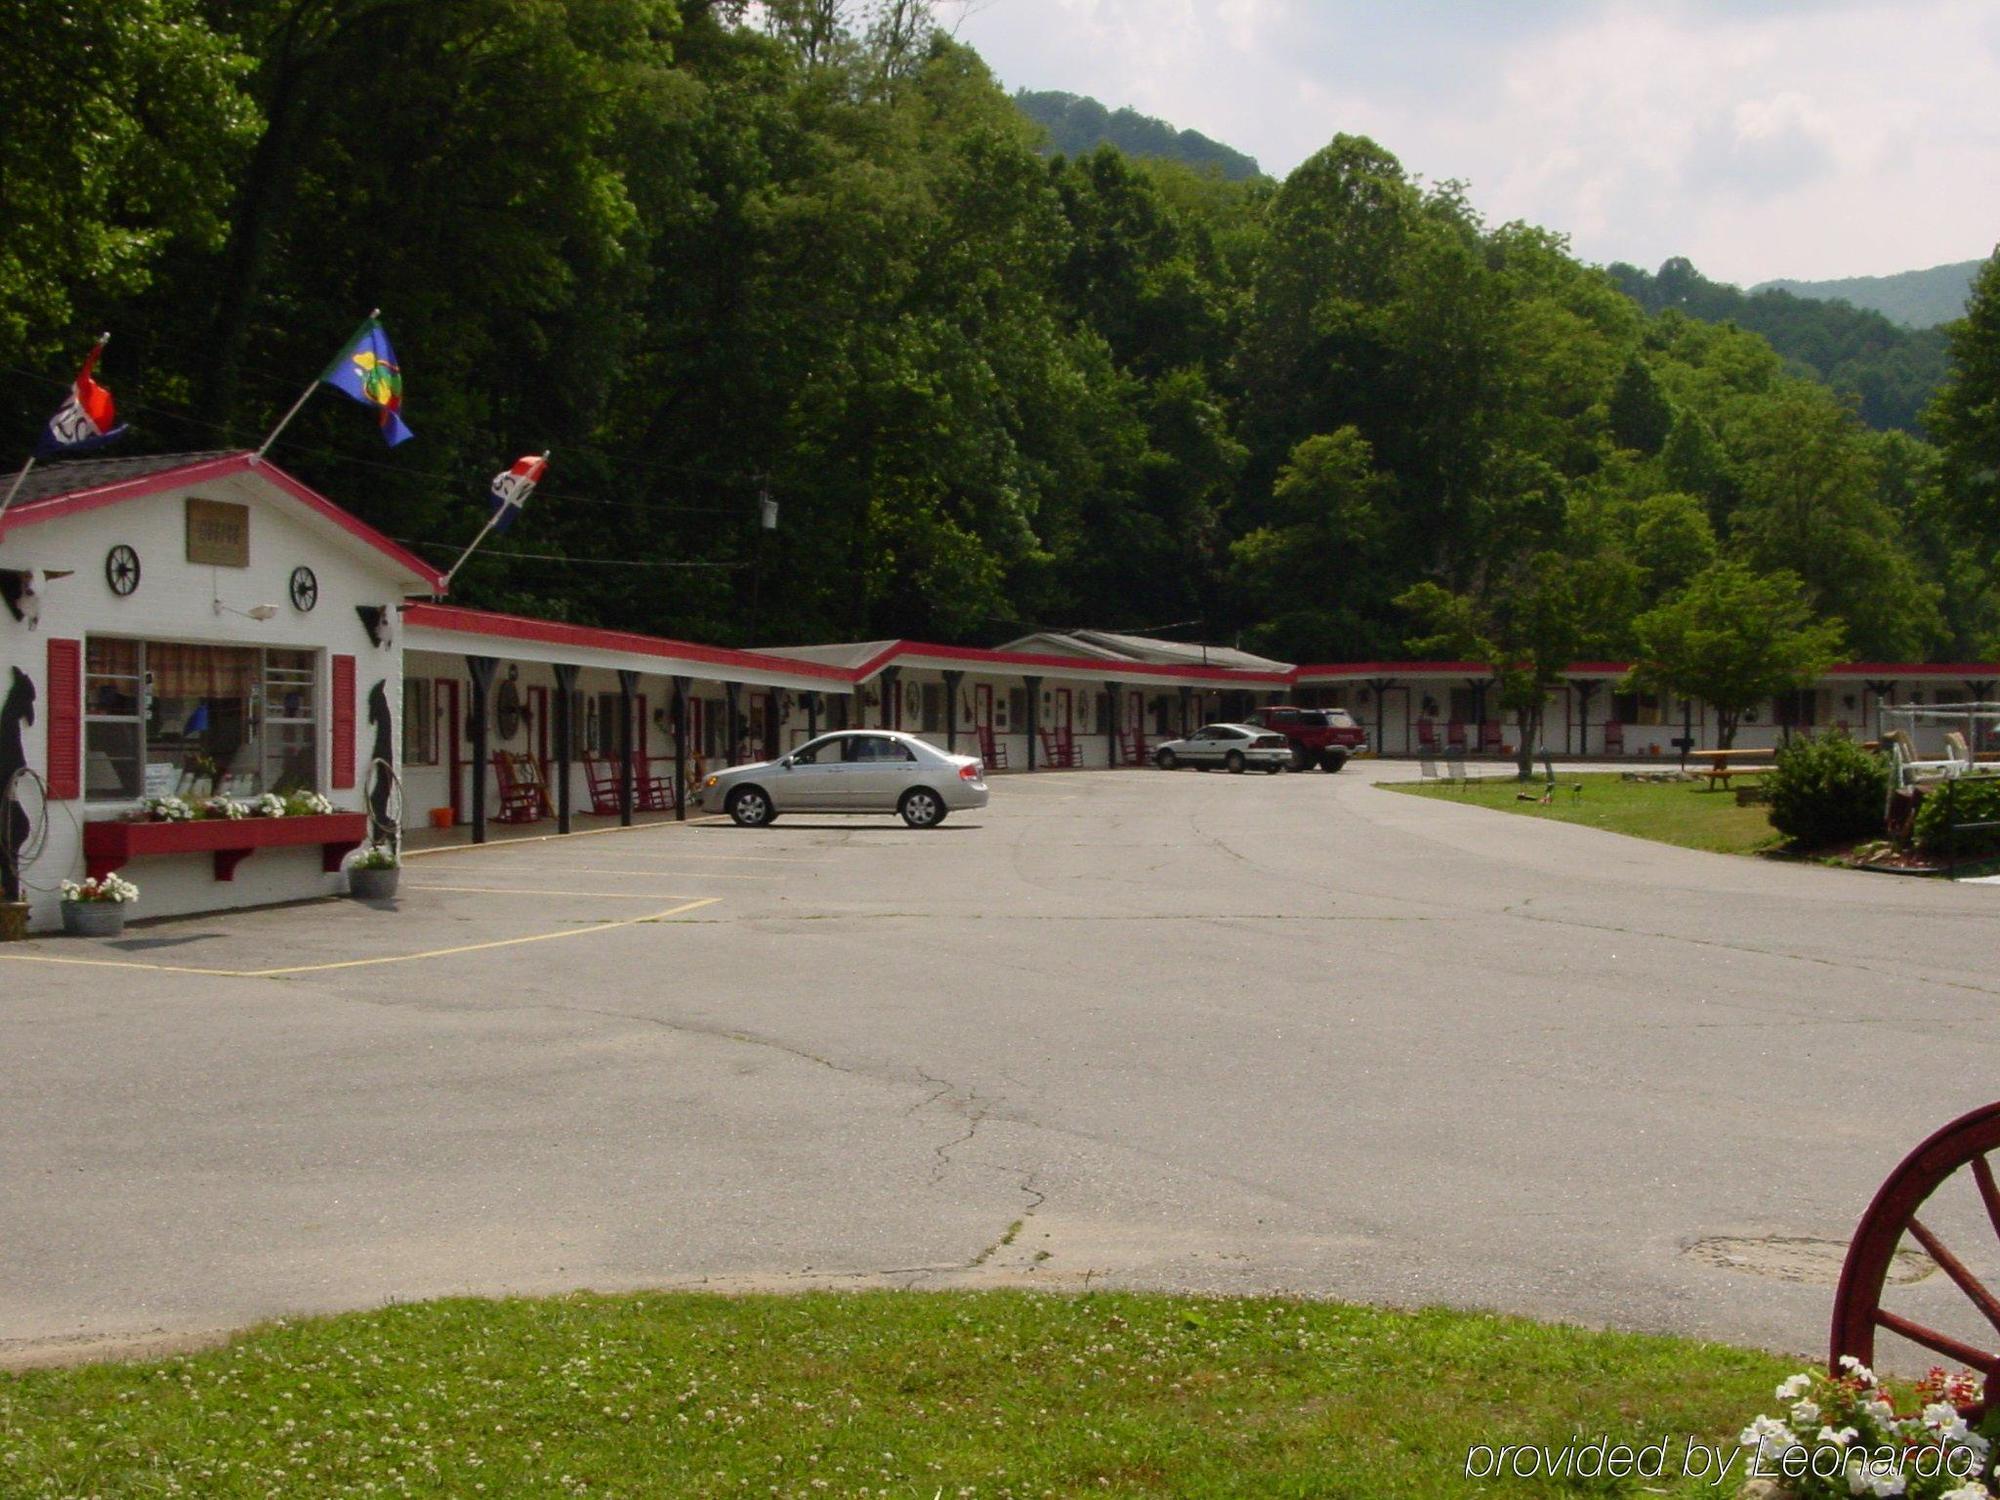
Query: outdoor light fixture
x=258 y=612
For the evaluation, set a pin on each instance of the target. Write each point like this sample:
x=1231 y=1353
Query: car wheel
x=751 y=807
x=1302 y=758
x=1332 y=761
x=1166 y=760
x=1234 y=761
x=921 y=807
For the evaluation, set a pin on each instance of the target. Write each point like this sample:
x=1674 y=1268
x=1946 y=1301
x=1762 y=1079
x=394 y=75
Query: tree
x=1812 y=506
x=124 y=125
x=1734 y=638
x=1965 y=417
x=1300 y=572
x=1641 y=418
x=1526 y=628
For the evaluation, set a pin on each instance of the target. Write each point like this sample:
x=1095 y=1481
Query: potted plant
x=96 y=907
x=372 y=876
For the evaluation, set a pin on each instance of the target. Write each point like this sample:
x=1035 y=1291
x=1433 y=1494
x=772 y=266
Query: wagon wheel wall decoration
x=1953 y=1160
x=305 y=589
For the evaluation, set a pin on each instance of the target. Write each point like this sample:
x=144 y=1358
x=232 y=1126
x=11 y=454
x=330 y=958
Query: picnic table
x=1720 y=765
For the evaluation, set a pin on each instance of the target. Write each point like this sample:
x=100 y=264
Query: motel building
x=205 y=625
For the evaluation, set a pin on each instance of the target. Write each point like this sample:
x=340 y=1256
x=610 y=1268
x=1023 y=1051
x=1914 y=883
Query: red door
x=1064 y=725
x=446 y=708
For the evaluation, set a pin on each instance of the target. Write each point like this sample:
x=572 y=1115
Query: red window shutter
x=65 y=711
x=343 y=721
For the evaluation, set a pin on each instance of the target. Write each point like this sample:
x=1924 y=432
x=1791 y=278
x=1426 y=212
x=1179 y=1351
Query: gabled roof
x=1117 y=646
x=64 y=489
x=849 y=654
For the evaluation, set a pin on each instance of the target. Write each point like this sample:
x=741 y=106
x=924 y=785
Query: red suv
x=1323 y=737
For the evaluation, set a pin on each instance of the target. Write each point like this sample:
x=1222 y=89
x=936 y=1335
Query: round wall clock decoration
x=121 y=569
x=305 y=589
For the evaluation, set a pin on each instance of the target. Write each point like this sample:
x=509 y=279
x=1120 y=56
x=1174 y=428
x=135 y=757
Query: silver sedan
x=1234 y=747
x=852 y=771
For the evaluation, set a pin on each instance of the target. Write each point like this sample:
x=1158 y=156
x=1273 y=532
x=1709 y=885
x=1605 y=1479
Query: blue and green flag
x=366 y=370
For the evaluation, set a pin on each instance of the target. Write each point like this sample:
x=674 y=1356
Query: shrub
x=1968 y=801
x=1827 y=790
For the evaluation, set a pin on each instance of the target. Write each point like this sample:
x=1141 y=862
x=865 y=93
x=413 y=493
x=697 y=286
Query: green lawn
x=879 y=1393
x=1685 y=813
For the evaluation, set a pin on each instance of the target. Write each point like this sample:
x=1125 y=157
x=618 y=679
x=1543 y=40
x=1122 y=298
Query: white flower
x=1838 y=1439
x=1970 y=1491
x=1881 y=1411
x=1805 y=1413
x=1794 y=1388
x=1857 y=1370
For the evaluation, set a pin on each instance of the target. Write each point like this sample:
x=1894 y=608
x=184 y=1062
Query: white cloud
x=1759 y=137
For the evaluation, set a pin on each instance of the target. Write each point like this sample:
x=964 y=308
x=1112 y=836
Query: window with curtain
x=169 y=717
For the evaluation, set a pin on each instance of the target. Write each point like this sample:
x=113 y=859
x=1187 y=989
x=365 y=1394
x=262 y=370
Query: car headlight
x=711 y=781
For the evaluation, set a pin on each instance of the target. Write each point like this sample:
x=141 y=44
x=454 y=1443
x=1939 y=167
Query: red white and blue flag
x=86 y=420
x=511 y=488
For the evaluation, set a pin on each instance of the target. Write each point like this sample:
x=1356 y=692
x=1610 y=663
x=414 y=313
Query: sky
x=1759 y=138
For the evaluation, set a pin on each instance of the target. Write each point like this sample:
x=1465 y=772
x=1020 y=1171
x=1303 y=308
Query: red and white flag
x=87 y=420
x=511 y=488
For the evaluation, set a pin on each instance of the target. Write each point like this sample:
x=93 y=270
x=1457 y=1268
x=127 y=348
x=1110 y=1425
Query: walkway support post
x=481 y=670
x=1380 y=686
x=1034 y=716
x=774 y=743
x=812 y=715
x=733 y=693
x=1187 y=712
x=891 y=682
x=628 y=685
x=680 y=749
x=565 y=743
x=1111 y=716
x=951 y=681
x=1585 y=689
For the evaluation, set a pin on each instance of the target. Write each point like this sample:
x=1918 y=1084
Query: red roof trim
x=79 y=501
x=561 y=633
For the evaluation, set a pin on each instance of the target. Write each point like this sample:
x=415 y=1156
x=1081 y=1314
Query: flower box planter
x=230 y=841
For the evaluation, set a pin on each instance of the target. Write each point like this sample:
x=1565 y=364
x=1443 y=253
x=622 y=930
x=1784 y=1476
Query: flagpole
x=491 y=521
x=13 y=490
x=318 y=380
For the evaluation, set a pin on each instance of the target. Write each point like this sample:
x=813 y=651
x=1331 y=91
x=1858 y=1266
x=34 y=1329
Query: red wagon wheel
x=1857 y=1304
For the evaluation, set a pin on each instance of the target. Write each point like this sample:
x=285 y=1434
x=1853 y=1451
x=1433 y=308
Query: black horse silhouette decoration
x=19 y=709
x=381 y=824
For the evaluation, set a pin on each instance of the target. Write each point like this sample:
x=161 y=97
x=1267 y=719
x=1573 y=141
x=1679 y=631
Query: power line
x=585 y=562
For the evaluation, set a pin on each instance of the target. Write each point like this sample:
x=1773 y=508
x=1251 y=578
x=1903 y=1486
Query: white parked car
x=1234 y=747
x=851 y=771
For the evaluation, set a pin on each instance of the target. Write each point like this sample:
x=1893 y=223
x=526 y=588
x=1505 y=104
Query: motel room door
x=1062 y=721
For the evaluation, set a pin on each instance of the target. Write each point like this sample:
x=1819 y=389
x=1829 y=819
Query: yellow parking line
x=545 y=838
x=519 y=890
x=363 y=963
x=634 y=870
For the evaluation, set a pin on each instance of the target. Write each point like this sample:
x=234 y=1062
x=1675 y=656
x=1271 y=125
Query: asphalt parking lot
x=1191 y=1031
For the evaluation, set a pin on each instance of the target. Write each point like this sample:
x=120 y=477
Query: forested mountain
x=703 y=250
x=1890 y=371
x=1077 y=125
x=1913 y=299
